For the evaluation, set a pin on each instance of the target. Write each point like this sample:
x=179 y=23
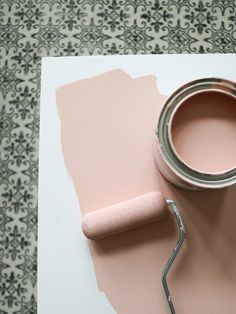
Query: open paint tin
x=195 y=139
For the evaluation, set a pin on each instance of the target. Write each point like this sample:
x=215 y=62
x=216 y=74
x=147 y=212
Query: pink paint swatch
x=204 y=132
x=107 y=128
x=107 y=132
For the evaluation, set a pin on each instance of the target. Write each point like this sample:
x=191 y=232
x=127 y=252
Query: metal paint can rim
x=168 y=161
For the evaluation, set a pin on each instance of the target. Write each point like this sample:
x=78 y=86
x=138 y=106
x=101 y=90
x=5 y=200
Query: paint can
x=172 y=166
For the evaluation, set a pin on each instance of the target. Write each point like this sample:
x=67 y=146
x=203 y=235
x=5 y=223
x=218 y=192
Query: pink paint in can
x=195 y=140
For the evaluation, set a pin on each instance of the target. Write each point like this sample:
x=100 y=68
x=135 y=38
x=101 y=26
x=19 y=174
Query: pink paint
x=107 y=122
x=204 y=131
x=107 y=131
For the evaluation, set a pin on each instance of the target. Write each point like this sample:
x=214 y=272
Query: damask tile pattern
x=30 y=30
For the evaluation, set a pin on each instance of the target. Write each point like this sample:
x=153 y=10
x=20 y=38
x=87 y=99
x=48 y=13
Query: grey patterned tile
x=30 y=30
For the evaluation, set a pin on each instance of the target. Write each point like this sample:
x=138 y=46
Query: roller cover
x=124 y=216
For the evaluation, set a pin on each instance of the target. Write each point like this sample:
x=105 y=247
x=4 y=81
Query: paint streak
x=107 y=127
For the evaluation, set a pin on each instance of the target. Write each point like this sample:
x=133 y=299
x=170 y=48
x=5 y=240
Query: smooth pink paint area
x=107 y=132
x=204 y=131
x=103 y=129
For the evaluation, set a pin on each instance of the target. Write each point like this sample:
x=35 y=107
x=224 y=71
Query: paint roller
x=131 y=214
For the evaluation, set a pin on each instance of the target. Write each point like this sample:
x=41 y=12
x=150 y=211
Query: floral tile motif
x=30 y=30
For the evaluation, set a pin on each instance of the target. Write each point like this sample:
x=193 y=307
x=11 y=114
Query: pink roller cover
x=124 y=216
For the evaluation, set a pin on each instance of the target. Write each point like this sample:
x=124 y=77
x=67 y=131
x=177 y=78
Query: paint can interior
x=195 y=139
